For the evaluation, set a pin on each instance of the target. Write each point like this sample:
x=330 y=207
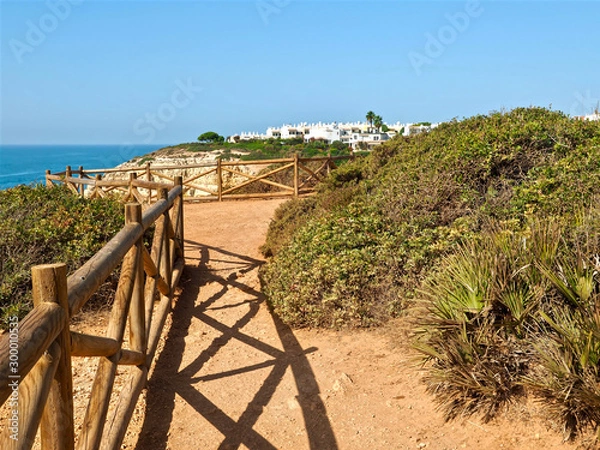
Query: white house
x=326 y=132
x=366 y=141
x=355 y=134
x=243 y=136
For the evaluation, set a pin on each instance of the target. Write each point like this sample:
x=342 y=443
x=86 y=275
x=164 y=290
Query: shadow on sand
x=168 y=381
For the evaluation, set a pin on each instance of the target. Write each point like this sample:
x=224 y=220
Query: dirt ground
x=232 y=376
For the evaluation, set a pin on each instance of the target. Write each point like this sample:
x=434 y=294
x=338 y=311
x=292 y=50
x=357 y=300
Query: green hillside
x=252 y=150
x=485 y=232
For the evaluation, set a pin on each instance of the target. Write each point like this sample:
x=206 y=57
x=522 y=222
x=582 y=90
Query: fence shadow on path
x=169 y=381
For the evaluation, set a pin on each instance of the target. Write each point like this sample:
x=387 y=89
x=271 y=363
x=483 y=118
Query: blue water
x=27 y=164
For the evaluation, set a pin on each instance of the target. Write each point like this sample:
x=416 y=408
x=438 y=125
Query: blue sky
x=145 y=72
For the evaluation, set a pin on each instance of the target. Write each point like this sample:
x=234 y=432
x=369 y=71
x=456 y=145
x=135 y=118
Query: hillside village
x=358 y=135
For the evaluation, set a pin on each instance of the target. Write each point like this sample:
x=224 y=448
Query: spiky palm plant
x=474 y=373
x=567 y=344
x=479 y=308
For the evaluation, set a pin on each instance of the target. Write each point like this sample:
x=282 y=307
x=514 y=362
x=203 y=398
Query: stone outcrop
x=165 y=167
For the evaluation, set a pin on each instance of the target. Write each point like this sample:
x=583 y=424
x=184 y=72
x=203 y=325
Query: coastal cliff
x=166 y=164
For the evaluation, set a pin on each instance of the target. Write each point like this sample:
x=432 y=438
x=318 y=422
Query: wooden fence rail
x=35 y=356
x=288 y=177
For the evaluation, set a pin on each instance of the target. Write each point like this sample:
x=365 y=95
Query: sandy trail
x=231 y=375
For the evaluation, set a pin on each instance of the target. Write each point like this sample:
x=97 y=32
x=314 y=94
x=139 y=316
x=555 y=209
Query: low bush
x=327 y=274
x=43 y=226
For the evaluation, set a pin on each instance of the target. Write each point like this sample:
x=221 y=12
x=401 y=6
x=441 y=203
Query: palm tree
x=370 y=117
x=378 y=122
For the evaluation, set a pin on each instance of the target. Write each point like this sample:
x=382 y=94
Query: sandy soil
x=231 y=375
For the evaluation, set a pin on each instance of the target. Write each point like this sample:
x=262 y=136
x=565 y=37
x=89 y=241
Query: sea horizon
x=26 y=164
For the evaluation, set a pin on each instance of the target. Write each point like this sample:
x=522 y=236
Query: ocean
x=27 y=164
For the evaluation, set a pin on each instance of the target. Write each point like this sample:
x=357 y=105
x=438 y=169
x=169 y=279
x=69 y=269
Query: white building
x=288 y=131
x=329 y=132
x=243 y=136
x=358 y=135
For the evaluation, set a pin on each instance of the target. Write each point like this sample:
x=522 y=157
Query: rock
x=207 y=160
x=342 y=383
x=293 y=403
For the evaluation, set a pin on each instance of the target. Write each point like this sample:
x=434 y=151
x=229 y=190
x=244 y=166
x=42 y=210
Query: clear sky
x=93 y=71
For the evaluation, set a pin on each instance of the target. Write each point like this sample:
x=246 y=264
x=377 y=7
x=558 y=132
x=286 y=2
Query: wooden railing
x=36 y=379
x=142 y=183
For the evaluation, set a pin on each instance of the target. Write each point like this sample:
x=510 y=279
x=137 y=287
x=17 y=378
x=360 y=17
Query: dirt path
x=232 y=376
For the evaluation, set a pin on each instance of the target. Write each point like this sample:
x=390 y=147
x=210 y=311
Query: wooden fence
x=35 y=356
x=289 y=177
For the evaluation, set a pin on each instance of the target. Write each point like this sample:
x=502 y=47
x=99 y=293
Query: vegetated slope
x=251 y=150
x=42 y=226
x=488 y=226
x=388 y=218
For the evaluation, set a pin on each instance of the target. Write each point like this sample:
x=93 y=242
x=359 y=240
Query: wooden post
x=33 y=395
x=68 y=174
x=161 y=241
x=296 y=176
x=68 y=183
x=137 y=333
x=97 y=188
x=156 y=254
x=48 y=181
x=130 y=197
x=95 y=416
x=125 y=407
x=167 y=260
x=149 y=178
x=81 y=187
x=57 y=432
x=179 y=215
x=137 y=379
x=219 y=180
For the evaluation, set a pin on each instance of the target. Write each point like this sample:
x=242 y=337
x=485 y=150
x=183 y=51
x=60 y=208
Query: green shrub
x=515 y=311
x=145 y=160
x=326 y=275
x=287 y=219
x=42 y=226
